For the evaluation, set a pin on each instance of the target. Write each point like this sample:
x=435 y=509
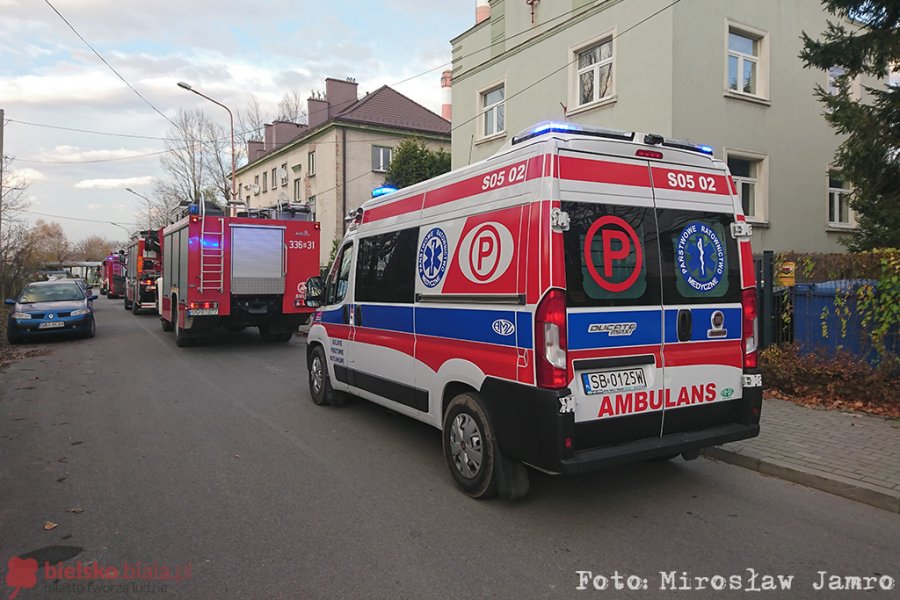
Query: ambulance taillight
x=750 y=328
x=550 y=333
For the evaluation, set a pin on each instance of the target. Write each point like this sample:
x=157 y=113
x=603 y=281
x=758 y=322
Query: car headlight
x=21 y=315
x=79 y=312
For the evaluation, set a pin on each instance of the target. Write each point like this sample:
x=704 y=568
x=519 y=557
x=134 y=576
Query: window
x=386 y=267
x=311 y=202
x=594 y=75
x=834 y=83
x=839 y=213
x=265 y=181
x=493 y=119
x=256 y=185
x=274 y=180
x=748 y=175
x=746 y=62
x=339 y=278
x=311 y=163
x=297 y=189
x=284 y=175
x=381 y=158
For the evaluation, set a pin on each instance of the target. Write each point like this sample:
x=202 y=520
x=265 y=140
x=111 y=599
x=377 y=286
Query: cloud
x=24 y=176
x=111 y=184
x=74 y=154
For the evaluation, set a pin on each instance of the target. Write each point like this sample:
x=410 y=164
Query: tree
x=14 y=250
x=93 y=248
x=49 y=243
x=290 y=108
x=412 y=161
x=198 y=161
x=869 y=156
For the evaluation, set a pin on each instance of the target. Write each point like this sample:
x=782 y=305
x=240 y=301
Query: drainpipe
x=344 y=177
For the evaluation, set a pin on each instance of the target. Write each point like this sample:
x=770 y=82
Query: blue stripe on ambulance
x=701 y=324
x=647 y=330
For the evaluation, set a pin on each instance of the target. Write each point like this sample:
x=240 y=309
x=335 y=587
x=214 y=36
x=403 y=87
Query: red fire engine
x=237 y=272
x=113 y=283
x=141 y=272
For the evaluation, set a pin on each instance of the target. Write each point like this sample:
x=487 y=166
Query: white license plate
x=51 y=325
x=606 y=382
x=203 y=312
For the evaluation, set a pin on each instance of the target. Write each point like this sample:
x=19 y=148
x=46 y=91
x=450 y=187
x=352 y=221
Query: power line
x=75 y=129
x=40 y=214
x=104 y=61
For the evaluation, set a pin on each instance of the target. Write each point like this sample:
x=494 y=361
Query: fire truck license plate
x=605 y=382
x=203 y=312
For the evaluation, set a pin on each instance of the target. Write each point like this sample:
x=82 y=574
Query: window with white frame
x=493 y=118
x=746 y=68
x=748 y=173
x=594 y=74
x=256 y=185
x=284 y=175
x=265 y=181
x=274 y=180
x=297 y=189
x=381 y=158
x=839 y=212
x=834 y=75
x=311 y=163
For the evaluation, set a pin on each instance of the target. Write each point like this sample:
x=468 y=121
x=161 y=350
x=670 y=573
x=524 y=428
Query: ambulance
x=582 y=299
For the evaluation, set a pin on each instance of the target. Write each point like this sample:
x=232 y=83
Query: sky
x=231 y=51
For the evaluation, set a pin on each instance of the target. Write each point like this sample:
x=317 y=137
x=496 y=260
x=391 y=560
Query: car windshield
x=56 y=292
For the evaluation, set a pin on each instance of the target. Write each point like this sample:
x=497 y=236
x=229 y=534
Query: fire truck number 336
x=301 y=245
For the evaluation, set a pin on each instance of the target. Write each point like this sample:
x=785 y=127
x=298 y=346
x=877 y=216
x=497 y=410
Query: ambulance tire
x=485 y=472
x=320 y=389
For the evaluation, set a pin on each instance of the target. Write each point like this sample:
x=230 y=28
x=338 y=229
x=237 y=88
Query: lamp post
x=149 y=204
x=127 y=233
x=231 y=205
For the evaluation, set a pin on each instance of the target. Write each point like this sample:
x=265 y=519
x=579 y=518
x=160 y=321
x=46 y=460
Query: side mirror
x=314 y=292
x=92 y=297
x=10 y=301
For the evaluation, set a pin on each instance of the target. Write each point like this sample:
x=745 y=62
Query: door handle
x=685 y=322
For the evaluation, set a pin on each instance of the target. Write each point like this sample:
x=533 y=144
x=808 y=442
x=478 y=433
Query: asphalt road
x=215 y=458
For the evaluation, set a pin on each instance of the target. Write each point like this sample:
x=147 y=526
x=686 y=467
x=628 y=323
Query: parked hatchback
x=51 y=307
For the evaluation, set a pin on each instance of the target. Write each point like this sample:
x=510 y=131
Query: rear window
x=611 y=255
x=699 y=257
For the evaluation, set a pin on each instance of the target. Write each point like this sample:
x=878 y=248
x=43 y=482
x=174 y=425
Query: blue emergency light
x=383 y=190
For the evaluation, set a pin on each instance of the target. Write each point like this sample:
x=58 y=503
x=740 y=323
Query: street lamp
x=127 y=233
x=231 y=205
x=149 y=217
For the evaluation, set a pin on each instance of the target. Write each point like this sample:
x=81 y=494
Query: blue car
x=51 y=307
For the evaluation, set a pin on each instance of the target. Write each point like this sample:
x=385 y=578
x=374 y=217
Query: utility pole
x=2 y=160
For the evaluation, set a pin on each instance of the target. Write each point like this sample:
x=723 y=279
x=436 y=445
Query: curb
x=826 y=482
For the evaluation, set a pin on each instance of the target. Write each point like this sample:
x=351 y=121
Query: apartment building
x=334 y=161
x=724 y=73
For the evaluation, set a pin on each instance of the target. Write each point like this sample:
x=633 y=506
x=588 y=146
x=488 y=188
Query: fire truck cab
x=582 y=299
x=113 y=283
x=236 y=272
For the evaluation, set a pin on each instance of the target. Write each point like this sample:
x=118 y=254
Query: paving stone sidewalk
x=852 y=455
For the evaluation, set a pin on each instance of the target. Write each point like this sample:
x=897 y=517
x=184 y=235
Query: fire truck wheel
x=135 y=308
x=127 y=303
x=166 y=325
x=182 y=338
x=320 y=389
x=470 y=449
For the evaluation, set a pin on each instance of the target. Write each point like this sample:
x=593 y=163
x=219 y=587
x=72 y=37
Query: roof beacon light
x=545 y=127
x=689 y=146
x=383 y=190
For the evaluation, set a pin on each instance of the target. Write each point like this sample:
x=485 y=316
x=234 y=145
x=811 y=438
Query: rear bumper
x=533 y=424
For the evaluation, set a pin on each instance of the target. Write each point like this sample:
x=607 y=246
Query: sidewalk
x=856 y=456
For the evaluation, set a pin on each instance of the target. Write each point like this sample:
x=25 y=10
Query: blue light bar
x=688 y=145
x=545 y=127
x=706 y=149
x=383 y=190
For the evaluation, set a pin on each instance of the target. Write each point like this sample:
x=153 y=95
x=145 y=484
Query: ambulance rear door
x=701 y=289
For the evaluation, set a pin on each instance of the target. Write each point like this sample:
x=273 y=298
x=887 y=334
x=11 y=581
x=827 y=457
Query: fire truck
x=113 y=283
x=236 y=272
x=142 y=269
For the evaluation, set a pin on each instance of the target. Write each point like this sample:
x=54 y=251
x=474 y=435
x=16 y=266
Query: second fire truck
x=141 y=272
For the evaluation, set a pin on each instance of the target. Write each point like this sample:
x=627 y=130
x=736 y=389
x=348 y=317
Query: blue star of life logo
x=700 y=257
x=433 y=257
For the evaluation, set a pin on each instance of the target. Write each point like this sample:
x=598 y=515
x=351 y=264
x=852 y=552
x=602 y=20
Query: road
x=214 y=457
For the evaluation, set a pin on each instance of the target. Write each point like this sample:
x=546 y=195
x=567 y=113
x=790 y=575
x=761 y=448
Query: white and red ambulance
x=582 y=299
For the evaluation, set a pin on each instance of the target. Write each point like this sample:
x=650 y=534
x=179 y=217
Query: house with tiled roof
x=334 y=161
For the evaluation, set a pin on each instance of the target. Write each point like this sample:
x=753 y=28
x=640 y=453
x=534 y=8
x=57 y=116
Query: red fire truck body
x=236 y=272
x=113 y=283
x=141 y=272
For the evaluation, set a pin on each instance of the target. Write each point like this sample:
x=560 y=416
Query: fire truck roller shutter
x=257 y=259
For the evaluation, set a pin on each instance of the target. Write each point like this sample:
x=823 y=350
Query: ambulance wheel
x=320 y=389
x=472 y=453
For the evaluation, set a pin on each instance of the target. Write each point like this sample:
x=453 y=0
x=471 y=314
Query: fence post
x=768 y=303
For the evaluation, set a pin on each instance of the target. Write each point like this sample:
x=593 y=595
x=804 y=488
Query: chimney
x=284 y=131
x=446 y=95
x=317 y=112
x=482 y=10
x=269 y=137
x=255 y=149
x=339 y=94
